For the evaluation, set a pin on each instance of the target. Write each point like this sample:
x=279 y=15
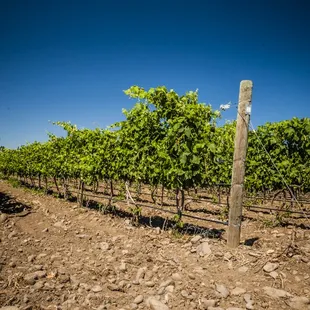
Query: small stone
x=140 y=275
x=113 y=287
x=3 y=217
x=123 y=267
x=237 y=291
x=176 y=277
x=40 y=274
x=222 y=290
x=299 y=303
x=59 y=225
x=149 y=284
x=203 y=249
x=166 y=283
x=12 y=264
x=269 y=267
x=243 y=269
x=30 y=278
x=45 y=230
x=184 y=294
x=38 y=285
x=12 y=234
x=247 y=297
x=156 y=304
x=191 y=276
x=305 y=259
x=274 y=274
x=96 y=288
x=196 y=239
x=138 y=299
x=42 y=255
x=228 y=256
x=169 y=289
x=276 y=293
x=104 y=246
x=208 y=302
x=249 y=302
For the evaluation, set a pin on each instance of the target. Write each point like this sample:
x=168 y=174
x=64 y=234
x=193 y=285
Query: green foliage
x=171 y=140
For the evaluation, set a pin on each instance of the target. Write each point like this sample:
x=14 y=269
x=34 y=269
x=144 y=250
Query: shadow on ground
x=10 y=206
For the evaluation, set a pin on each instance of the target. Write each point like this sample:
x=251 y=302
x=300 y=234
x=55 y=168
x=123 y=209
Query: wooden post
x=238 y=172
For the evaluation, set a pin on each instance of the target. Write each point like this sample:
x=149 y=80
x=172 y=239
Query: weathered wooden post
x=238 y=171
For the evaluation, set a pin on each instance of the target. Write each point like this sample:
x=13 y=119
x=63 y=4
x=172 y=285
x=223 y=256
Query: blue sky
x=71 y=60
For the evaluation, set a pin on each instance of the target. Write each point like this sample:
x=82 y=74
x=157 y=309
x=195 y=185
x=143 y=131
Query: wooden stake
x=238 y=172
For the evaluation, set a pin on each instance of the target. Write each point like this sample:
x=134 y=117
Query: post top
x=248 y=83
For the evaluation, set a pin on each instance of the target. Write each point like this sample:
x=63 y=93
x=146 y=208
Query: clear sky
x=71 y=60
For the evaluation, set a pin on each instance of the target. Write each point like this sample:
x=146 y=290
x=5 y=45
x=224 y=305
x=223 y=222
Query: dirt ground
x=55 y=255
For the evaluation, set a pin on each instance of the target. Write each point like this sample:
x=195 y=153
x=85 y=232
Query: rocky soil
x=54 y=255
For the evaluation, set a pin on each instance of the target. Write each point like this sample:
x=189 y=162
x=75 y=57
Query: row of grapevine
x=167 y=140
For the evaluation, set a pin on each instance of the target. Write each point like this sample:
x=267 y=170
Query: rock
x=3 y=218
x=156 y=304
x=123 y=267
x=299 y=303
x=12 y=234
x=42 y=255
x=113 y=287
x=38 y=285
x=40 y=274
x=12 y=264
x=138 y=299
x=166 y=283
x=149 y=284
x=249 y=302
x=269 y=267
x=237 y=291
x=228 y=256
x=140 y=275
x=169 y=289
x=59 y=225
x=176 y=277
x=243 y=269
x=84 y=236
x=203 y=249
x=30 y=278
x=276 y=293
x=96 y=288
x=104 y=246
x=274 y=274
x=45 y=230
x=184 y=294
x=37 y=267
x=148 y=275
x=222 y=290
x=207 y=303
x=196 y=239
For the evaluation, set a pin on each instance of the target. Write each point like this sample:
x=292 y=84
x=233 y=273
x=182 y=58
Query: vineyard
x=168 y=145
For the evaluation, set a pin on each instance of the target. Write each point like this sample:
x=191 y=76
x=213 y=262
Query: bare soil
x=55 y=255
